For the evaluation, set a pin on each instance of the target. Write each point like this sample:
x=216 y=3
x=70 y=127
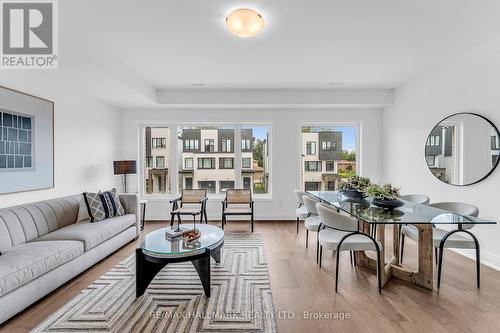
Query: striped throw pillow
x=103 y=205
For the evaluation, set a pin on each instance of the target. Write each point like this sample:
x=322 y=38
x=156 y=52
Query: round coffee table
x=156 y=251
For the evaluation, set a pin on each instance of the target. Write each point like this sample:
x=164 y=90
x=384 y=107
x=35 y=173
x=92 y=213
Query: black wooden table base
x=146 y=267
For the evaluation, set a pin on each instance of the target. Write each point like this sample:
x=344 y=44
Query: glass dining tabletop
x=157 y=243
x=409 y=213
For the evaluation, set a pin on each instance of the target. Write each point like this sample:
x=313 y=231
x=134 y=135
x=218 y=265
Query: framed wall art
x=26 y=142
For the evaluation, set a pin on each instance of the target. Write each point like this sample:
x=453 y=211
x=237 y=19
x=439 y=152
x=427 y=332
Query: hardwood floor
x=299 y=286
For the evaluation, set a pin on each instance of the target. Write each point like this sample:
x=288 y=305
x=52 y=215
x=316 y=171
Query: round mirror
x=463 y=149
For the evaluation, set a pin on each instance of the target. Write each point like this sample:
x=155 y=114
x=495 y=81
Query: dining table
x=424 y=217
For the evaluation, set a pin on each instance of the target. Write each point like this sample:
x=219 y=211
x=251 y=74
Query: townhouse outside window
x=159 y=143
x=311 y=148
x=209 y=145
x=246 y=162
x=206 y=163
x=160 y=161
x=312 y=166
x=328 y=155
x=226 y=163
x=188 y=163
x=156 y=152
x=226 y=146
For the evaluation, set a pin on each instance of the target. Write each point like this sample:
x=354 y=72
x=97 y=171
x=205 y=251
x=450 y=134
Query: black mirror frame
x=492 y=168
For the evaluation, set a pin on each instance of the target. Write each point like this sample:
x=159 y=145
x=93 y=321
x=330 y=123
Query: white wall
x=86 y=137
x=285 y=147
x=470 y=82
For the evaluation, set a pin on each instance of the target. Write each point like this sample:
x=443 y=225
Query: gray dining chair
x=312 y=222
x=442 y=239
x=301 y=212
x=340 y=233
x=416 y=198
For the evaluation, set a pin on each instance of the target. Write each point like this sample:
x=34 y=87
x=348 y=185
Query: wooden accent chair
x=196 y=201
x=237 y=202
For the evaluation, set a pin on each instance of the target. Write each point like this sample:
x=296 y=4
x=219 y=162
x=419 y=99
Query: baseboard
x=488 y=259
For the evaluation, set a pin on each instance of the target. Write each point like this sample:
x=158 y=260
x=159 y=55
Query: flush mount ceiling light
x=244 y=22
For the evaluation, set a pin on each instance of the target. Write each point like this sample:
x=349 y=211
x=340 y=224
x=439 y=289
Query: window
x=434 y=140
x=311 y=186
x=255 y=158
x=160 y=161
x=328 y=145
x=494 y=142
x=431 y=160
x=330 y=166
x=156 y=152
x=225 y=184
x=245 y=144
x=209 y=145
x=191 y=144
x=328 y=155
x=246 y=162
x=159 y=143
x=206 y=163
x=226 y=146
x=208 y=158
x=311 y=148
x=226 y=163
x=312 y=166
x=209 y=185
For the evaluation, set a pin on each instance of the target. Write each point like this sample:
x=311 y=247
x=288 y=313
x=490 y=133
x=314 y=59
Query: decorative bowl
x=387 y=204
x=354 y=194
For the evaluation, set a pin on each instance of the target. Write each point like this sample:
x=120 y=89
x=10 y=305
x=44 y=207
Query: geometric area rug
x=241 y=299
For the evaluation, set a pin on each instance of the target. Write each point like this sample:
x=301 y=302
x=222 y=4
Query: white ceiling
x=122 y=51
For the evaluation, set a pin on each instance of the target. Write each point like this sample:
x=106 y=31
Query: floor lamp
x=125 y=168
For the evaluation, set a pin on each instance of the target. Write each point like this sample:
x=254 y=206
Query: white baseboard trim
x=488 y=259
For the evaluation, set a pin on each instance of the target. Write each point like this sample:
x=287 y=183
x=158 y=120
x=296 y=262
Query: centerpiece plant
x=355 y=186
x=385 y=196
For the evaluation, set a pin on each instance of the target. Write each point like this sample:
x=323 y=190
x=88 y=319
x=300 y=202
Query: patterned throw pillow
x=103 y=205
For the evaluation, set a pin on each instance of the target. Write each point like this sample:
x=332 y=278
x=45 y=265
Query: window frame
x=154 y=143
x=176 y=151
x=157 y=158
x=356 y=124
x=222 y=165
x=192 y=163
x=203 y=159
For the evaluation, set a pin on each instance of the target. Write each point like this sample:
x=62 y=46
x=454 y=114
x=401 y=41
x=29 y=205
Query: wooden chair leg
x=307 y=238
x=252 y=222
x=222 y=221
x=172 y=219
x=297 y=225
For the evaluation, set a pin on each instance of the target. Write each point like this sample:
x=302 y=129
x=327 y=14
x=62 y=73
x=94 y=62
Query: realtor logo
x=29 y=34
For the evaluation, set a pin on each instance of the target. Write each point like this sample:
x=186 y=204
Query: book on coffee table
x=172 y=233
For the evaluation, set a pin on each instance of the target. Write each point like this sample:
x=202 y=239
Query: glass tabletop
x=409 y=213
x=156 y=242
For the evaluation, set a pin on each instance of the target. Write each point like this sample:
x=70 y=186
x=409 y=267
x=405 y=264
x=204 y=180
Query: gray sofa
x=43 y=246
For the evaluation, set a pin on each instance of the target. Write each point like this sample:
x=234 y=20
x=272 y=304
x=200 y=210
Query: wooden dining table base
x=423 y=277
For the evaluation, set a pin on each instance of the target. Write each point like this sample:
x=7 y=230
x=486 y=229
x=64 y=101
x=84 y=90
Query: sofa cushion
x=92 y=233
x=25 y=262
x=103 y=205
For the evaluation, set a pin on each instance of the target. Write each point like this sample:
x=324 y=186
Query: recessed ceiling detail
x=244 y=22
